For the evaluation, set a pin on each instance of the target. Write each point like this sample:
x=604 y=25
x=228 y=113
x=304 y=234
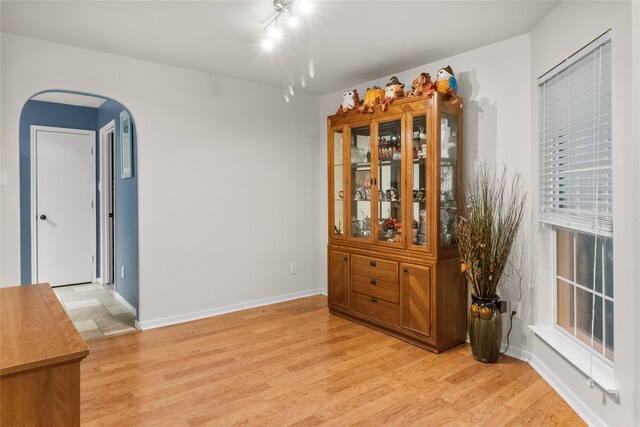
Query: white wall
x=224 y=183
x=494 y=82
x=635 y=25
x=257 y=167
x=565 y=30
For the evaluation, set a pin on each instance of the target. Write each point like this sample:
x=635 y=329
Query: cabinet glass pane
x=338 y=193
x=360 y=177
x=448 y=172
x=419 y=190
x=389 y=181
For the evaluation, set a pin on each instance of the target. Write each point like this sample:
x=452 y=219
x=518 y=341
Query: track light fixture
x=272 y=30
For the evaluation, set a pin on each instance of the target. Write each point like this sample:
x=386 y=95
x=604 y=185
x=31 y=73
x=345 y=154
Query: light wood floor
x=295 y=364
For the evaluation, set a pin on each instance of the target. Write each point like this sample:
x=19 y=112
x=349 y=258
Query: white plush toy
x=350 y=100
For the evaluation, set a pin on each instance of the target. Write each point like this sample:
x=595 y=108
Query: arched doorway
x=79 y=205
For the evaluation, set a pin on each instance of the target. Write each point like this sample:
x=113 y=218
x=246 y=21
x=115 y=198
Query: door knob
x=43 y=217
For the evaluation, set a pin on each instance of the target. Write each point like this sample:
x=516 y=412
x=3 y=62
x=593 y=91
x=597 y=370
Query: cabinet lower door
x=339 y=286
x=416 y=293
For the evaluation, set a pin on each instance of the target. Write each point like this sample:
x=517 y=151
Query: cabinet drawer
x=375 y=268
x=375 y=288
x=376 y=308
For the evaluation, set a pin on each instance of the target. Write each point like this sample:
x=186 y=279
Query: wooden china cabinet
x=393 y=202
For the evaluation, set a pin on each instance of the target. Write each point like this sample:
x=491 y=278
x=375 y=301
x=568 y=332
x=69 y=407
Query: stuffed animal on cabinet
x=423 y=86
x=350 y=100
x=446 y=81
x=395 y=90
x=373 y=97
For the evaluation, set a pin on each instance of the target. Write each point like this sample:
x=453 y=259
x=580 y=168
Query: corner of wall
x=635 y=26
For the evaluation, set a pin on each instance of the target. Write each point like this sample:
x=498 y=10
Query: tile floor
x=95 y=311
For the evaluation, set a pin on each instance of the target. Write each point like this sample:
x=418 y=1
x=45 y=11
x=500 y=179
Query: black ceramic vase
x=485 y=328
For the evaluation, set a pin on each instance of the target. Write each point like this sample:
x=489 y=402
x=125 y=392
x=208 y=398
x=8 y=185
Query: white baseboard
x=126 y=304
x=583 y=411
x=572 y=400
x=188 y=317
x=516 y=353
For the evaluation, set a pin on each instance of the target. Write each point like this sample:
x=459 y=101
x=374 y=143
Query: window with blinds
x=575 y=142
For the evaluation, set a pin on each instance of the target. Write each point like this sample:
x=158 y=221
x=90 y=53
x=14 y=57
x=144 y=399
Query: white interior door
x=63 y=211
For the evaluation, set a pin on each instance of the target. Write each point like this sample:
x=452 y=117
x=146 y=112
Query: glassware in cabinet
x=360 y=182
x=448 y=178
x=419 y=205
x=338 y=182
x=389 y=181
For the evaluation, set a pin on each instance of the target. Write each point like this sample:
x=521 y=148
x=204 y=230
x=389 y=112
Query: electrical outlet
x=293 y=268
x=517 y=307
x=122 y=272
x=504 y=306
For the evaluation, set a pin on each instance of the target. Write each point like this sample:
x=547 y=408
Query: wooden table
x=40 y=355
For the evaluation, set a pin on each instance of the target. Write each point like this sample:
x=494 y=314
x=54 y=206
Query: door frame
x=105 y=193
x=34 y=195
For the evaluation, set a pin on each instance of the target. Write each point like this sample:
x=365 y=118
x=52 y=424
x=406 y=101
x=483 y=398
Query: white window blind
x=575 y=141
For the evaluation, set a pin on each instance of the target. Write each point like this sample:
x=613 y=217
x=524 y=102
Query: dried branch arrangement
x=488 y=226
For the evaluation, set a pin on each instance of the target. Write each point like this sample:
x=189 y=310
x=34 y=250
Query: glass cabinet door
x=448 y=175
x=419 y=207
x=338 y=182
x=360 y=182
x=389 y=182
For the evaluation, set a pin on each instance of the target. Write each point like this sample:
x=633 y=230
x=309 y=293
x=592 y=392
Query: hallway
x=95 y=311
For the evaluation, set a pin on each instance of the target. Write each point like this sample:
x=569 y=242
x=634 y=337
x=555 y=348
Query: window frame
x=574 y=225
x=556 y=327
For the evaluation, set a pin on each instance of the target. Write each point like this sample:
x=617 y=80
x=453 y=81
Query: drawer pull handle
x=406 y=270
x=372 y=263
x=346 y=259
x=373 y=282
x=374 y=300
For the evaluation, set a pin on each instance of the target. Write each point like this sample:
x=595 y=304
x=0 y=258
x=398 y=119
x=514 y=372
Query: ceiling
x=340 y=44
x=70 y=99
